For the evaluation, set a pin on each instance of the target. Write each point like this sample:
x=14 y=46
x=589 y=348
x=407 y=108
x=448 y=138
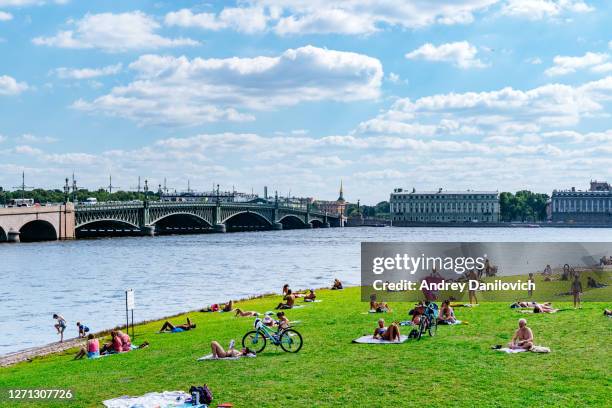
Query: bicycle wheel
x=291 y=341
x=422 y=327
x=433 y=328
x=254 y=341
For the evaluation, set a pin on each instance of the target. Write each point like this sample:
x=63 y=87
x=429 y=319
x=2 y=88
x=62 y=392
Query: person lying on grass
x=391 y=333
x=245 y=313
x=219 y=352
x=169 y=327
x=607 y=312
x=337 y=284
x=310 y=296
x=545 y=308
x=523 y=337
x=379 y=307
x=92 y=350
x=447 y=314
x=289 y=301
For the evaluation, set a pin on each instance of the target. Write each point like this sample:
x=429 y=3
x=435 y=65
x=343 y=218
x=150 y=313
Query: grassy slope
x=456 y=368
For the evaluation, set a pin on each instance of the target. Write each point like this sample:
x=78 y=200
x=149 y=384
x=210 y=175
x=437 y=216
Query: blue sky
x=296 y=95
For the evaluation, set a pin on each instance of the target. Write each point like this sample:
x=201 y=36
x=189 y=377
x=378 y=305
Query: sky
x=297 y=95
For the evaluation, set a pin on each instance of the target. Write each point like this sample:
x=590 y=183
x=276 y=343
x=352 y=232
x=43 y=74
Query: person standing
x=576 y=290
x=60 y=326
x=530 y=281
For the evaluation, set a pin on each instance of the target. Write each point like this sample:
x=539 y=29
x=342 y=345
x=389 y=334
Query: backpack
x=206 y=396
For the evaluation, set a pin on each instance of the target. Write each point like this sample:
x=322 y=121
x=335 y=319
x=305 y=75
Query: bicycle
x=428 y=321
x=288 y=339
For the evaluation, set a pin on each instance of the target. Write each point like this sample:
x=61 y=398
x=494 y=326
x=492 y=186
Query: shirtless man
x=289 y=301
x=310 y=296
x=472 y=293
x=523 y=337
x=245 y=313
x=169 y=327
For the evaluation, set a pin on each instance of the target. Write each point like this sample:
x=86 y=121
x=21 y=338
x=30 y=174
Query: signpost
x=129 y=307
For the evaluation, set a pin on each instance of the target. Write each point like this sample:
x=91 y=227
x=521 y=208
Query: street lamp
x=66 y=191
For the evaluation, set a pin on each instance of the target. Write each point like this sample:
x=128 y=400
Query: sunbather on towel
x=523 y=337
x=245 y=313
x=311 y=296
x=289 y=301
x=92 y=350
x=219 y=352
x=545 y=308
x=380 y=307
x=447 y=314
x=169 y=327
x=607 y=312
x=391 y=333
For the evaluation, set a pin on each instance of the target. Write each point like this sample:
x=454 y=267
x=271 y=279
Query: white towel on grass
x=151 y=400
x=211 y=357
x=369 y=339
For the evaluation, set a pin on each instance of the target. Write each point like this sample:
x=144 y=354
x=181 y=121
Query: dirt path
x=28 y=354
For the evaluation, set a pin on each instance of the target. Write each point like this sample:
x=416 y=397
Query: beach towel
x=510 y=351
x=377 y=311
x=531 y=311
x=447 y=323
x=153 y=400
x=210 y=357
x=312 y=301
x=539 y=349
x=407 y=323
x=368 y=339
x=463 y=305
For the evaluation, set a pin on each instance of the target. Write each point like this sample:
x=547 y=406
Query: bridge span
x=157 y=218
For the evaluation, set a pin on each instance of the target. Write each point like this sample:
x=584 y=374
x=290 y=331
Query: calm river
x=85 y=279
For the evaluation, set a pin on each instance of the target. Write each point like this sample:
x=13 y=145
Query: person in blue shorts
x=83 y=330
x=169 y=327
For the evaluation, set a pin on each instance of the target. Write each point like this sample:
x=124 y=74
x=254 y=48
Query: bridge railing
x=157 y=204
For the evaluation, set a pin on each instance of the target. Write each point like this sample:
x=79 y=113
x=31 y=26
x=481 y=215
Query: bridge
x=157 y=218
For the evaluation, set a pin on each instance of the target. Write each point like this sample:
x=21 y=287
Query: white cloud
x=22 y=3
x=393 y=77
x=113 y=33
x=4 y=16
x=534 y=60
x=30 y=138
x=87 y=73
x=461 y=54
x=246 y=20
x=567 y=65
x=179 y=91
x=540 y=9
x=9 y=86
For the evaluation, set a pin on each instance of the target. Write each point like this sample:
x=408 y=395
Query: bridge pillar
x=277 y=226
x=308 y=226
x=12 y=236
x=148 y=230
x=219 y=228
x=326 y=225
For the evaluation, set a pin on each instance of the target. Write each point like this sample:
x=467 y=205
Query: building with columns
x=410 y=207
x=583 y=207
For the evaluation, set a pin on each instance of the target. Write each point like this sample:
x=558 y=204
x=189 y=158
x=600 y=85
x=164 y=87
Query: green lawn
x=455 y=368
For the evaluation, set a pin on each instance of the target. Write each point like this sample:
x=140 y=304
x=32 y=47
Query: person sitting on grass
x=219 y=352
x=114 y=346
x=607 y=312
x=60 y=326
x=337 y=284
x=289 y=301
x=522 y=338
x=83 y=330
x=282 y=321
x=229 y=306
x=310 y=296
x=169 y=327
x=285 y=289
x=391 y=333
x=447 y=314
x=245 y=313
x=92 y=350
x=378 y=307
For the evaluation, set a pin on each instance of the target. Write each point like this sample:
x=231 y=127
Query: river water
x=85 y=279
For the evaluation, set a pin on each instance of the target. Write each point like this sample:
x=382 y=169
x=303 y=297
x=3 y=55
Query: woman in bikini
x=391 y=333
x=219 y=352
x=245 y=313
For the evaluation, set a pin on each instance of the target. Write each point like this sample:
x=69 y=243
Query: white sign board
x=129 y=299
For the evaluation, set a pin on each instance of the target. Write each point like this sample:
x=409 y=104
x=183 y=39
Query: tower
x=341 y=196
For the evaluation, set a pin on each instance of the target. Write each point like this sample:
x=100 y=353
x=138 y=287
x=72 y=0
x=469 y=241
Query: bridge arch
x=106 y=228
x=37 y=230
x=316 y=223
x=291 y=221
x=181 y=223
x=247 y=221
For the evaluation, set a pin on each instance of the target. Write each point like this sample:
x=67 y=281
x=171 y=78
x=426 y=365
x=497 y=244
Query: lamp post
x=66 y=192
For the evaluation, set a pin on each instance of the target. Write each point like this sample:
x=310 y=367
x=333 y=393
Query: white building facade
x=443 y=206
x=589 y=207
